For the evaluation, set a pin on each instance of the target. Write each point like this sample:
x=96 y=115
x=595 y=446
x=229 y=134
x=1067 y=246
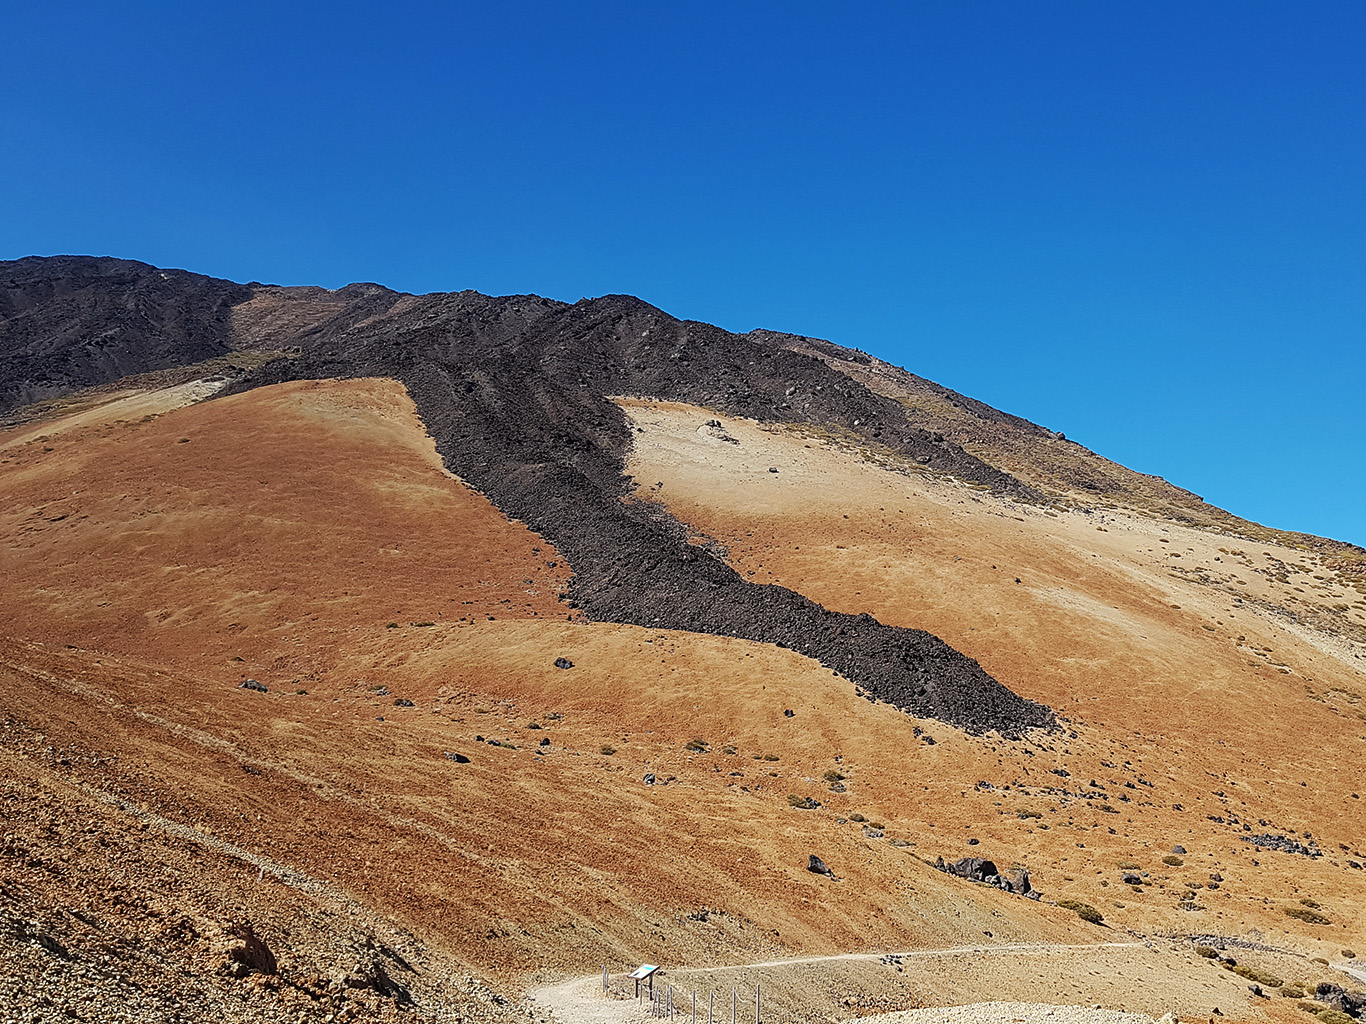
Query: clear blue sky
x=1140 y=223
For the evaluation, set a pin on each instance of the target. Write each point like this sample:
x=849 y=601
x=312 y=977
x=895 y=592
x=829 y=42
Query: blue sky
x=1141 y=224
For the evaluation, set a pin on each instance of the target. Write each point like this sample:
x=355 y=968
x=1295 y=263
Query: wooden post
x=756 y=1004
x=732 y=1006
x=711 y=1005
x=606 y=984
x=694 y=1006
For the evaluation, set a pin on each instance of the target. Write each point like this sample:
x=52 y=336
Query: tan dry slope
x=288 y=527
x=1172 y=652
x=274 y=523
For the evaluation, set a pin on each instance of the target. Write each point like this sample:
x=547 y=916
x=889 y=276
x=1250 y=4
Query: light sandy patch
x=1203 y=716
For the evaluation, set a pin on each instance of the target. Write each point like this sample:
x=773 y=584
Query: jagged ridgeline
x=517 y=390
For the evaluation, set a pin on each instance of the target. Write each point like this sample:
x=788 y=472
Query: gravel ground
x=1013 y=1013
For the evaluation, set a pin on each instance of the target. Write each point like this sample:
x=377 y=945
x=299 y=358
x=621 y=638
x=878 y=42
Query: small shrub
x=1327 y=1015
x=770 y=757
x=392 y=625
x=605 y=749
x=696 y=746
x=1083 y=910
x=1208 y=952
x=424 y=623
x=1172 y=860
x=1260 y=977
x=301 y=692
x=834 y=776
x=876 y=824
x=1292 y=992
x=1025 y=812
x=803 y=802
x=857 y=817
x=728 y=749
x=1311 y=904
x=1306 y=915
x=533 y=725
x=1128 y=865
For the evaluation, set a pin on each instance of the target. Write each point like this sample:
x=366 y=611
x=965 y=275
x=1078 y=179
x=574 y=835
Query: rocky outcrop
x=978 y=869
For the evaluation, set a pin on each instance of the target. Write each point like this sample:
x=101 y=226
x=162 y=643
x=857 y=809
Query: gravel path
x=1010 y=1013
x=580 y=1000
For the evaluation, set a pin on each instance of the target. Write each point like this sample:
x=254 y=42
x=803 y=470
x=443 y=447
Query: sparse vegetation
x=805 y=803
x=1292 y=992
x=1311 y=904
x=1128 y=865
x=1260 y=977
x=605 y=749
x=392 y=625
x=857 y=817
x=770 y=757
x=697 y=746
x=1327 y=1015
x=1025 y=812
x=1172 y=860
x=420 y=624
x=1208 y=952
x=1083 y=910
x=834 y=776
x=1306 y=915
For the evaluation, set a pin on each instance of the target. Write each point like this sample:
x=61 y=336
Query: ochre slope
x=1177 y=656
x=271 y=524
x=297 y=522
x=288 y=527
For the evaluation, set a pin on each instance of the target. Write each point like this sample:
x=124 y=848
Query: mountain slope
x=559 y=673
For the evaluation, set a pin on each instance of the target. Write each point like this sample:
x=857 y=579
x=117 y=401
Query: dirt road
x=581 y=1000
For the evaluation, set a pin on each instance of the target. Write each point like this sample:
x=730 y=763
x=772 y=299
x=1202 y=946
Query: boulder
x=563 y=663
x=817 y=866
x=252 y=684
x=978 y=869
x=246 y=951
x=1017 y=881
x=1353 y=1003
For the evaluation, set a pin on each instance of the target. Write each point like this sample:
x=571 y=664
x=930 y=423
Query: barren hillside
x=572 y=633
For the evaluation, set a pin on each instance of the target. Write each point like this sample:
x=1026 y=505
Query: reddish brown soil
x=297 y=522
x=270 y=527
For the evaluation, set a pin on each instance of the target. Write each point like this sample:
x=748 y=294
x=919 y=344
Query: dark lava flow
x=515 y=392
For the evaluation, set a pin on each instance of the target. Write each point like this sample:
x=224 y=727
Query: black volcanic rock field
x=517 y=393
